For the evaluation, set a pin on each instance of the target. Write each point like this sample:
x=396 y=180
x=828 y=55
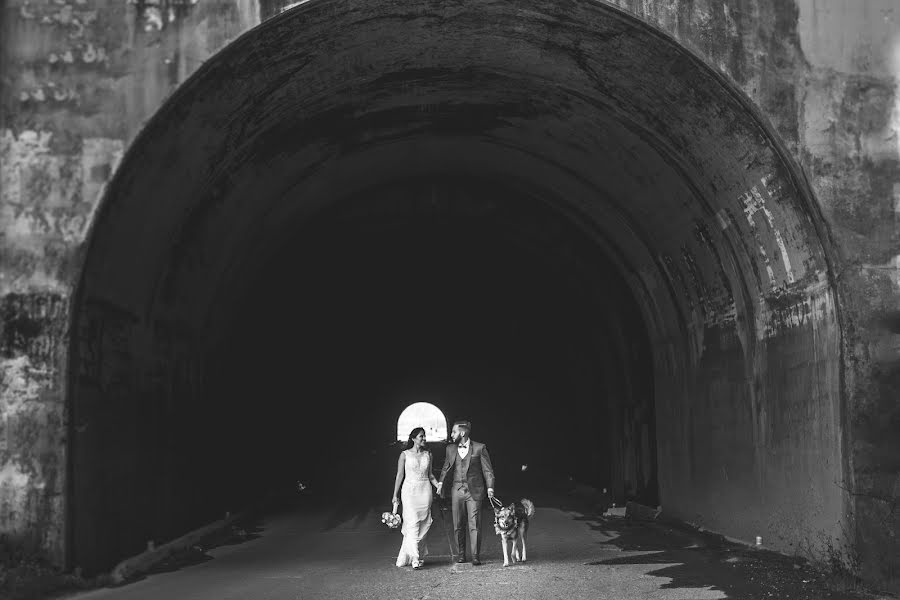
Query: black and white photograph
x=442 y=299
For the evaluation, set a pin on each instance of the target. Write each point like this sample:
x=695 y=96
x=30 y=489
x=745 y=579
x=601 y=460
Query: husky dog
x=511 y=524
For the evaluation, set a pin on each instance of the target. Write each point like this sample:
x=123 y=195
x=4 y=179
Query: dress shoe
x=460 y=559
x=475 y=562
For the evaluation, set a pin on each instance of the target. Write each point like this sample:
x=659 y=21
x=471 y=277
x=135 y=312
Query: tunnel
x=548 y=218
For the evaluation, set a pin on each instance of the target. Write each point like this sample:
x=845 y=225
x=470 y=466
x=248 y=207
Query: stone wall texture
x=81 y=78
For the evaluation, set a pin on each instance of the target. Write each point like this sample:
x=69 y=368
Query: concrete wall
x=79 y=80
x=83 y=76
x=826 y=74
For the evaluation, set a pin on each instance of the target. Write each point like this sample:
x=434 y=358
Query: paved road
x=307 y=554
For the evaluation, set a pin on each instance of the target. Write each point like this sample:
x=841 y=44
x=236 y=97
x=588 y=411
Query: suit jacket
x=480 y=475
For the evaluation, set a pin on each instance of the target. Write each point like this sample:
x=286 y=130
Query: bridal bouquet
x=392 y=520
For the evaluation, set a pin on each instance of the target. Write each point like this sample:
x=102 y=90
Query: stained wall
x=81 y=78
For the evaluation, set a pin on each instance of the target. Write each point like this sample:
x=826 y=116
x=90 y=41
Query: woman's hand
x=394 y=500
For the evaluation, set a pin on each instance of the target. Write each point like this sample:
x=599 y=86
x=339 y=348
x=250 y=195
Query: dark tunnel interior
x=572 y=233
x=392 y=298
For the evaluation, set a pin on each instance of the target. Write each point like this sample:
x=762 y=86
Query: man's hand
x=437 y=488
x=490 y=492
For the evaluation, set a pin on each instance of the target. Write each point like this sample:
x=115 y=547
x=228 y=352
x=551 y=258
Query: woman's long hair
x=412 y=434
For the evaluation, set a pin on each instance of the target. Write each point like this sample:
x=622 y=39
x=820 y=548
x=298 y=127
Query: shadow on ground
x=696 y=559
x=691 y=558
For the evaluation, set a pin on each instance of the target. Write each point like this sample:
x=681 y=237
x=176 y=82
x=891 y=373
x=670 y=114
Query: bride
x=414 y=473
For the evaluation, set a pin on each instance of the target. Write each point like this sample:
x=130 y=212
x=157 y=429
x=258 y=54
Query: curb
x=684 y=525
x=141 y=563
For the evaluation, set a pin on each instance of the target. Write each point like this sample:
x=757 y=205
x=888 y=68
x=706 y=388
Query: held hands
x=437 y=487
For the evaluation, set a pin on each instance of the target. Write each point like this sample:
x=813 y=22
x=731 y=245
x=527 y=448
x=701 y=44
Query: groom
x=468 y=465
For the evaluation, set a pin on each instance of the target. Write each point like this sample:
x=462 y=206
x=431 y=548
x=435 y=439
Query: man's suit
x=468 y=480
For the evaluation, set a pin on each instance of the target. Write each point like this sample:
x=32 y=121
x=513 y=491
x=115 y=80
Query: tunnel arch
x=663 y=166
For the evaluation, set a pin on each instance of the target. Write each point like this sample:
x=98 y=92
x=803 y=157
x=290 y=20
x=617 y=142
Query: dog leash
x=496 y=505
x=442 y=508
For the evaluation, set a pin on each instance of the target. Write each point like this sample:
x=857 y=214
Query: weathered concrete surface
x=79 y=80
x=782 y=303
x=850 y=139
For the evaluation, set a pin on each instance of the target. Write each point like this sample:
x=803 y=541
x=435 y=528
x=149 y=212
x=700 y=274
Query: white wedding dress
x=415 y=496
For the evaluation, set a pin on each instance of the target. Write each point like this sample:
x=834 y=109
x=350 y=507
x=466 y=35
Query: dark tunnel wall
x=673 y=176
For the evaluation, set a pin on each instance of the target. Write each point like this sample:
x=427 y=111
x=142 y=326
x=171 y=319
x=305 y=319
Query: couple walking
x=468 y=474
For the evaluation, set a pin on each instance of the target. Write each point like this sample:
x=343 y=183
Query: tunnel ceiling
x=442 y=246
x=603 y=117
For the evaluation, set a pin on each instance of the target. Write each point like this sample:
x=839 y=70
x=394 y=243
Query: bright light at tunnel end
x=426 y=415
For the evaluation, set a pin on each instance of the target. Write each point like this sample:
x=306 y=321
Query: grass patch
x=842 y=567
x=26 y=575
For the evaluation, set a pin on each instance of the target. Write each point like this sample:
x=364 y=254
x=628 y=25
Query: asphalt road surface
x=346 y=552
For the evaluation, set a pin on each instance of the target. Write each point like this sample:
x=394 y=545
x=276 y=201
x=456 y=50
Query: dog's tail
x=529 y=507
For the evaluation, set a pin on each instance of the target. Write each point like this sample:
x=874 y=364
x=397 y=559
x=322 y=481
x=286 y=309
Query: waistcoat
x=462 y=466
